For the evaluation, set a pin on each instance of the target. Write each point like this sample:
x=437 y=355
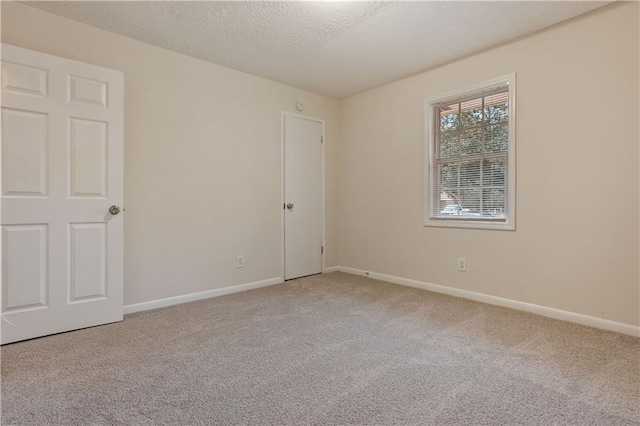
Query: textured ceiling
x=334 y=48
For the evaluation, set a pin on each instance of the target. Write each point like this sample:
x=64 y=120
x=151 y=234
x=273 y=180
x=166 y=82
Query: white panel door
x=302 y=196
x=62 y=170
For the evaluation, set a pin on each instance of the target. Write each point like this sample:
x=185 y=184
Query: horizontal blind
x=471 y=142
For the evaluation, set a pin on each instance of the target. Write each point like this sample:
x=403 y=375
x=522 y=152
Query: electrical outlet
x=240 y=262
x=462 y=264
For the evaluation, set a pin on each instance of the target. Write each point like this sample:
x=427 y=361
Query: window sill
x=470 y=224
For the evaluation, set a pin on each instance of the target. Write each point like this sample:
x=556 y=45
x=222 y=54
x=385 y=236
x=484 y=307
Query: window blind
x=471 y=143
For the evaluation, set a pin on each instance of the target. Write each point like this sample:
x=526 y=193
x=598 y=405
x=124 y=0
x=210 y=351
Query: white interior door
x=62 y=170
x=303 y=209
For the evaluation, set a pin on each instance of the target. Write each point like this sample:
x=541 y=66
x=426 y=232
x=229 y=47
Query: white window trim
x=429 y=144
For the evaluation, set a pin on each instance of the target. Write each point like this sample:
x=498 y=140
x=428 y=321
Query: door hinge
x=322 y=249
x=321 y=139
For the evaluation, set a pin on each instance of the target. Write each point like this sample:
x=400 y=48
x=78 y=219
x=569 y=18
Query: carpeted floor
x=332 y=349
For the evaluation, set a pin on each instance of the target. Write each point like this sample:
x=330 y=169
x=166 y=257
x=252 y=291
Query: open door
x=62 y=194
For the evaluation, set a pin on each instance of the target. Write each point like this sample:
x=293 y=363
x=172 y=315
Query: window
x=470 y=179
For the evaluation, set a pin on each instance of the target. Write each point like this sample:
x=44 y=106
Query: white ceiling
x=334 y=48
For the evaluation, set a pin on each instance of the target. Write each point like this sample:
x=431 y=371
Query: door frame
x=282 y=195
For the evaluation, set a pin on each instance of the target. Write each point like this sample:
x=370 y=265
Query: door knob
x=290 y=206
x=114 y=210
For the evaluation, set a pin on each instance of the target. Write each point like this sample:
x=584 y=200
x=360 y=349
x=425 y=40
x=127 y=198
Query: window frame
x=430 y=158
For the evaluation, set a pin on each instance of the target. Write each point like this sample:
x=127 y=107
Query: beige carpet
x=333 y=349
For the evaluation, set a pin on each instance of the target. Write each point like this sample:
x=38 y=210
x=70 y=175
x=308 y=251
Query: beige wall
x=202 y=158
x=576 y=243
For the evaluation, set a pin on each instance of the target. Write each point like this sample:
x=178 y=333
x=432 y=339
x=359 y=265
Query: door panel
x=88 y=90
x=87 y=261
x=24 y=153
x=23 y=79
x=88 y=159
x=26 y=246
x=303 y=189
x=62 y=161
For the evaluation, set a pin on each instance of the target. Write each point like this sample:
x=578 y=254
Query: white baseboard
x=169 y=301
x=544 y=311
x=331 y=269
